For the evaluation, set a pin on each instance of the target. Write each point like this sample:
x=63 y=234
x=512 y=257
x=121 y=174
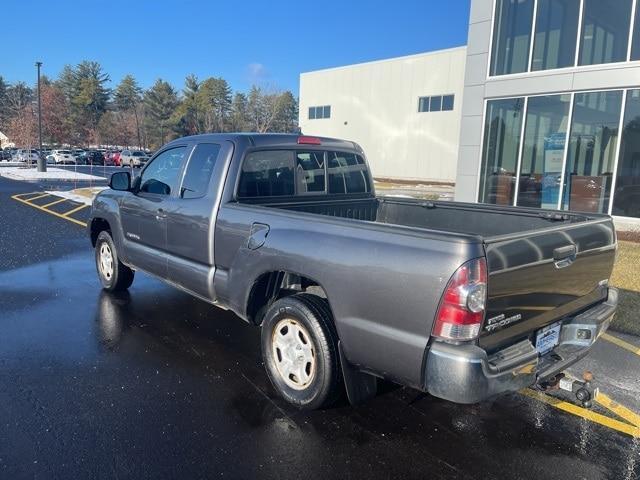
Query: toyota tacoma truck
x=463 y=301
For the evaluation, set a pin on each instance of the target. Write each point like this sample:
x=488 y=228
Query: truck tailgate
x=539 y=277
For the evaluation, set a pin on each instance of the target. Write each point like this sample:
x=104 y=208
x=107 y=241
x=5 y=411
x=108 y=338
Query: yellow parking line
x=54 y=203
x=620 y=410
x=30 y=193
x=603 y=420
x=37 y=197
x=621 y=343
x=50 y=212
x=77 y=209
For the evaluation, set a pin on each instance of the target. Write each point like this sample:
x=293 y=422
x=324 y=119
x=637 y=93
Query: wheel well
x=271 y=286
x=98 y=225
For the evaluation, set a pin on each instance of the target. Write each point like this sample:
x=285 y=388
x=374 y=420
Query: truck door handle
x=257 y=236
x=564 y=256
x=160 y=214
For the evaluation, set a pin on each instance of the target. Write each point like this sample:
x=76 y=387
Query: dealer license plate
x=547 y=338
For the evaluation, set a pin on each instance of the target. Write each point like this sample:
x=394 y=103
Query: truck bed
x=528 y=253
x=467 y=219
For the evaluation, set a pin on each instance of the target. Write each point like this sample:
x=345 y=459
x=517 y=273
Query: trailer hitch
x=582 y=389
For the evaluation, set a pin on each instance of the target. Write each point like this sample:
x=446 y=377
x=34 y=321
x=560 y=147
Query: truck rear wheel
x=300 y=351
x=114 y=275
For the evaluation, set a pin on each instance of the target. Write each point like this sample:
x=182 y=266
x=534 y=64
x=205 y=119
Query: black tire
x=314 y=315
x=119 y=277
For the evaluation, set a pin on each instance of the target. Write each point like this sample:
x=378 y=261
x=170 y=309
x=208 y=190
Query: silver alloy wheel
x=106 y=261
x=293 y=353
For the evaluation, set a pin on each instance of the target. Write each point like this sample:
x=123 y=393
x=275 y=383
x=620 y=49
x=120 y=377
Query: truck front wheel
x=300 y=351
x=114 y=275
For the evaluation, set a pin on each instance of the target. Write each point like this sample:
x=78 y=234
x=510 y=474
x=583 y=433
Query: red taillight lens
x=462 y=307
x=304 y=140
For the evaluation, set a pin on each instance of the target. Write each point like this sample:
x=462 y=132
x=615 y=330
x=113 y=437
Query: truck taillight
x=462 y=306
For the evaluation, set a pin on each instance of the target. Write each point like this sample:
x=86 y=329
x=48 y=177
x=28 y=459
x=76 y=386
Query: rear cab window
x=267 y=174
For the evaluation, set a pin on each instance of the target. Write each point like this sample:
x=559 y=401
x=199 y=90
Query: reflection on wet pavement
x=153 y=383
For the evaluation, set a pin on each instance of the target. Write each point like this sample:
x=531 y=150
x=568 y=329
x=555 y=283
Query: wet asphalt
x=155 y=384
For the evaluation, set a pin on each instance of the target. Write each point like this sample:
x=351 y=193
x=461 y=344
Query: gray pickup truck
x=462 y=301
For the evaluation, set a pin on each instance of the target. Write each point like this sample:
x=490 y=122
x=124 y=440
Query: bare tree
x=23 y=127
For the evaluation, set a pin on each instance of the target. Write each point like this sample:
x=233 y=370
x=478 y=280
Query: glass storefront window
x=500 y=153
x=511 y=36
x=605 y=31
x=545 y=134
x=554 y=42
x=635 y=45
x=592 y=150
x=626 y=199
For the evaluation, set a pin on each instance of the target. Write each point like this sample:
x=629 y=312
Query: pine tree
x=214 y=98
x=160 y=103
x=87 y=95
x=127 y=97
x=189 y=113
x=238 y=121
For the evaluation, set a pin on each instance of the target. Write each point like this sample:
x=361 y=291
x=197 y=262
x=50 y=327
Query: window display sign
x=552 y=173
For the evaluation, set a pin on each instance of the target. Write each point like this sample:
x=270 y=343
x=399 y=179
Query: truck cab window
x=347 y=173
x=310 y=176
x=268 y=173
x=162 y=173
x=199 y=170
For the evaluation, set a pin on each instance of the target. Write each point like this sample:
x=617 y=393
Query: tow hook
x=582 y=389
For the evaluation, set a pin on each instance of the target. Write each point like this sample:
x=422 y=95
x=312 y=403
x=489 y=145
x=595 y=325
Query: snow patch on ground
x=30 y=174
x=80 y=195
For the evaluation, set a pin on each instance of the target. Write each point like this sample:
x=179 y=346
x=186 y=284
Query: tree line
x=79 y=108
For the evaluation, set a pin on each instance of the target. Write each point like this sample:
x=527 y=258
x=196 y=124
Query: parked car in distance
x=11 y=153
x=94 y=157
x=463 y=301
x=64 y=157
x=112 y=157
x=133 y=158
x=79 y=154
x=5 y=155
x=28 y=155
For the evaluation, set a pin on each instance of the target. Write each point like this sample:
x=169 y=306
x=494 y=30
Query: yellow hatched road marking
x=621 y=343
x=598 y=418
x=37 y=197
x=620 y=410
x=50 y=212
x=77 y=209
x=54 y=203
x=20 y=195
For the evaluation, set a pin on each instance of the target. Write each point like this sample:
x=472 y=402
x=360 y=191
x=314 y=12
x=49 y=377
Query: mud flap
x=360 y=386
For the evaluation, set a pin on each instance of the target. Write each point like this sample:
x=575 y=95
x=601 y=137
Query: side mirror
x=120 y=181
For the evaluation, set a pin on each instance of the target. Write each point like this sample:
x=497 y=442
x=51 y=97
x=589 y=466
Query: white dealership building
x=405 y=112
x=541 y=109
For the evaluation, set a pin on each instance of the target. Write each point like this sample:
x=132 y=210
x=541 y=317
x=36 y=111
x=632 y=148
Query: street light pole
x=42 y=165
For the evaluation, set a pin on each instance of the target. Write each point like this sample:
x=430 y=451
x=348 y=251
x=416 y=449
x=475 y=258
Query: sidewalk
x=423 y=190
x=31 y=174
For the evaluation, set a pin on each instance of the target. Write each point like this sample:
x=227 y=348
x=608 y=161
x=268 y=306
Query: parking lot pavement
x=153 y=383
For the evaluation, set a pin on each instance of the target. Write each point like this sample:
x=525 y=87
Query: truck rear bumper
x=466 y=374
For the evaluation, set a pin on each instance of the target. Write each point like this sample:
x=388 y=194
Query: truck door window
x=267 y=173
x=162 y=172
x=310 y=176
x=347 y=173
x=199 y=170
